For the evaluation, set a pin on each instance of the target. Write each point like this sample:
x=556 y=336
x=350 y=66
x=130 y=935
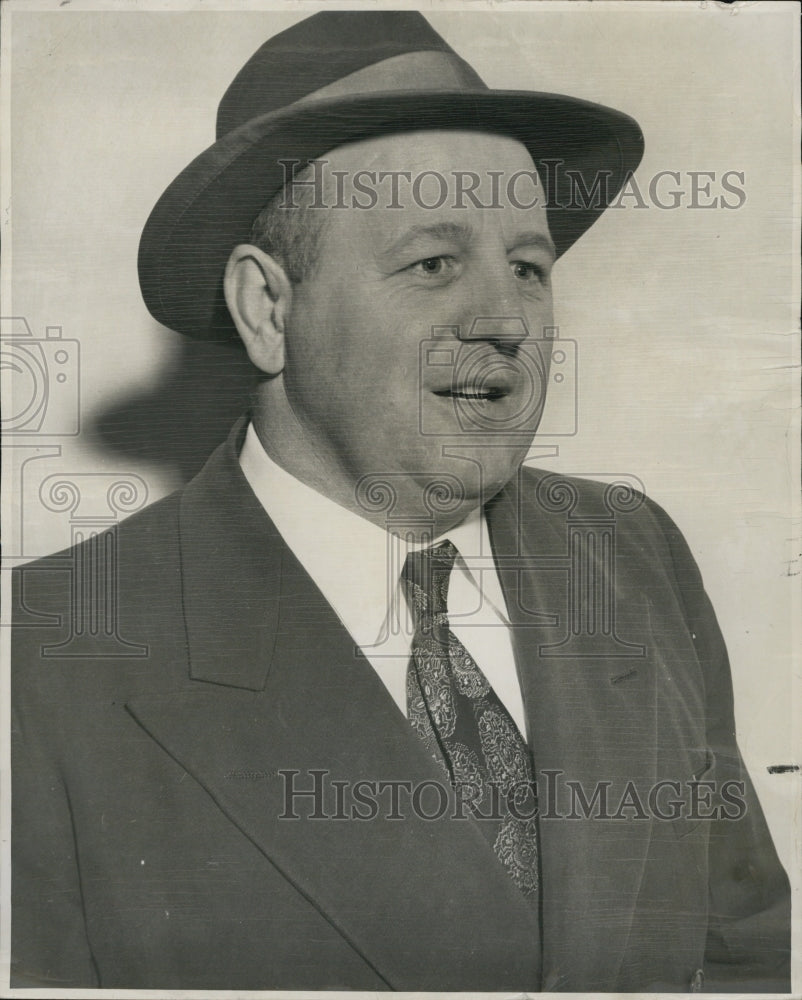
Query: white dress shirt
x=357 y=565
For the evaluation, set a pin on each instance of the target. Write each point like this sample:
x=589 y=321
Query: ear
x=259 y=295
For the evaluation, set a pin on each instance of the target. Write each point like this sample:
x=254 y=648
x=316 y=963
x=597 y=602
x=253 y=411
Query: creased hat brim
x=211 y=205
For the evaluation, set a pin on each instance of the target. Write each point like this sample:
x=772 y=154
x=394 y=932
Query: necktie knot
x=426 y=575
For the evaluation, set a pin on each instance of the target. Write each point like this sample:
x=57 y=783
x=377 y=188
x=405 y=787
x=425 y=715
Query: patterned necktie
x=455 y=711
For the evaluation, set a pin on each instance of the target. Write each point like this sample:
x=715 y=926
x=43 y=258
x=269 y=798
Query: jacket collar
x=231 y=567
x=233 y=558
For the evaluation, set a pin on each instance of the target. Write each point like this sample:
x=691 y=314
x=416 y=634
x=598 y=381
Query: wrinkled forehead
x=478 y=180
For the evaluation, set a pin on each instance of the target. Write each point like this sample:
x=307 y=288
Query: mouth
x=485 y=394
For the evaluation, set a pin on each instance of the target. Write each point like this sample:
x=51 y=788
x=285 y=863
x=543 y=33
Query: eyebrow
x=540 y=240
x=456 y=231
x=461 y=233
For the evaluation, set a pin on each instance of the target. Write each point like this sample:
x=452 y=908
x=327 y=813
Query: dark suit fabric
x=148 y=848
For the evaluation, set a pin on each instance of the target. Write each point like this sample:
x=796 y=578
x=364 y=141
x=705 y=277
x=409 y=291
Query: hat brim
x=210 y=207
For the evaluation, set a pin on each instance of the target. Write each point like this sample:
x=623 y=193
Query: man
x=410 y=716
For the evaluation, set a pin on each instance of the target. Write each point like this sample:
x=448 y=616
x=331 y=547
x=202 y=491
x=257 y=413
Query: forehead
x=481 y=181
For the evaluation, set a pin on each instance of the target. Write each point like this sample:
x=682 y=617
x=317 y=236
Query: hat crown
x=323 y=50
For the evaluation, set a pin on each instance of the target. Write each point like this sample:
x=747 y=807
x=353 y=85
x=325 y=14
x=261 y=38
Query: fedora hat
x=344 y=76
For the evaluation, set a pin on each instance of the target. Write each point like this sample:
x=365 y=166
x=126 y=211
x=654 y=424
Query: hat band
x=425 y=71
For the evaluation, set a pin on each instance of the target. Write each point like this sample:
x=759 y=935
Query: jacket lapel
x=279 y=692
x=592 y=721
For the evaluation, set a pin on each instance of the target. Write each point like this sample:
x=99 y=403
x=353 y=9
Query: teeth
x=471 y=394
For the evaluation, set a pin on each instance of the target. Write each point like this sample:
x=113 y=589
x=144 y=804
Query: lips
x=474 y=393
x=479 y=375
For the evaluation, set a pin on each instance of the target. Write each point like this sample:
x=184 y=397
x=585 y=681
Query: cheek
x=539 y=313
x=317 y=346
x=375 y=355
x=357 y=354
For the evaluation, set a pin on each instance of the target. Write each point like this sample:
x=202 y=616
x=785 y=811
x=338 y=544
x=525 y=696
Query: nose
x=501 y=330
x=493 y=312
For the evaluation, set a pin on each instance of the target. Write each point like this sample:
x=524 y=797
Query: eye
x=527 y=271
x=433 y=267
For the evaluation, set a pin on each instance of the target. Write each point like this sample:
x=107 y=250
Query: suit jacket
x=167 y=699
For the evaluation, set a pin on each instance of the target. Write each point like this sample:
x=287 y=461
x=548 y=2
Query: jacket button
x=698 y=981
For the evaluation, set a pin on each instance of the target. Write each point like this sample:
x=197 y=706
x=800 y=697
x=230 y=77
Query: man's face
x=392 y=283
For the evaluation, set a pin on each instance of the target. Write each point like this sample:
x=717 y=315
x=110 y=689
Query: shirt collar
x=355 y=563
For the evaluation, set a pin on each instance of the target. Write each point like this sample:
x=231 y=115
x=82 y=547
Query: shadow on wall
x=182 y=417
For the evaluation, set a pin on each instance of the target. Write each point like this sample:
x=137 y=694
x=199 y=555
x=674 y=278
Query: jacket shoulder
x=577 y=497
x=127 y=565
x=644 y=533
x=148 y=527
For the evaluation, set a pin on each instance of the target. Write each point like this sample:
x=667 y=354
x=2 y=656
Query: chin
x=481 y=471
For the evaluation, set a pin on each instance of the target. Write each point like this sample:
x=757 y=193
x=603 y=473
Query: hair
x=290 y=230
